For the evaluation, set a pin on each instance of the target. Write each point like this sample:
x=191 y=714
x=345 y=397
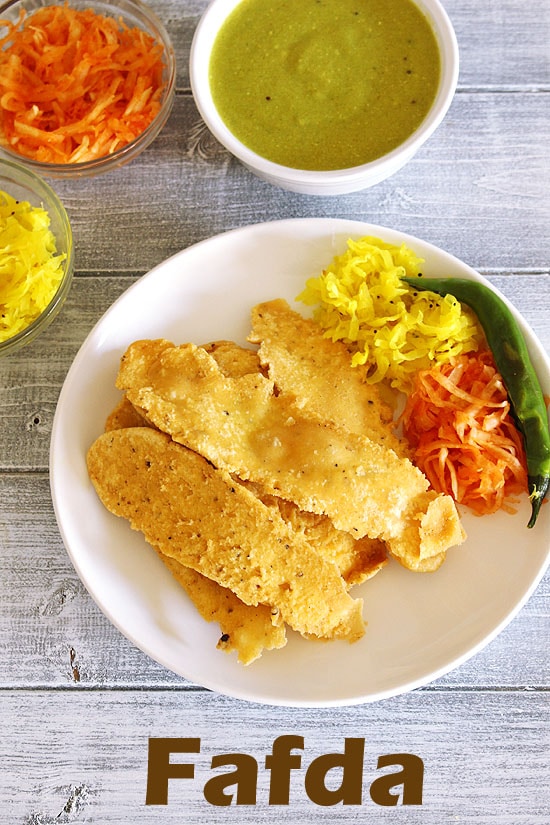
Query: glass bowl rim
x=140 y=142
x=27 y=179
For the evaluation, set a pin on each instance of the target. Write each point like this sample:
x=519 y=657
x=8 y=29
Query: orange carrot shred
x=76 y=85
x=458 y=422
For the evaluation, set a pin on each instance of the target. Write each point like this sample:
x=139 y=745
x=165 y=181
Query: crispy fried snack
x=197 y=515
x=125 y=415
x=356 y=559
x=246 y=629
x=232 y=359
x=318 y=372
x=243 y=427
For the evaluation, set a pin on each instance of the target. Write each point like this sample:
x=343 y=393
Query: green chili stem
x=513 y=362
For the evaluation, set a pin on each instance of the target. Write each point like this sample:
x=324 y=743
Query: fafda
x=240 y=784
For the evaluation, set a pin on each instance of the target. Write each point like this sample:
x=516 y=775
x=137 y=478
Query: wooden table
x=78 y=701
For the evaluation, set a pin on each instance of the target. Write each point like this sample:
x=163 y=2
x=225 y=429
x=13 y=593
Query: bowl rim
x=26 y=178
x=139 y=143
x=207 y=28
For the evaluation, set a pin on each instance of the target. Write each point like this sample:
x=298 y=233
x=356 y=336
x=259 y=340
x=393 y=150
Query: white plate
x=419 y=626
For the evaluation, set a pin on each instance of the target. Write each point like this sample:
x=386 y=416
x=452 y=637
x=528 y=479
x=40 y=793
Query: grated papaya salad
x=474 y=430
x=31 y=268
x=360 y=299
x=75 y=85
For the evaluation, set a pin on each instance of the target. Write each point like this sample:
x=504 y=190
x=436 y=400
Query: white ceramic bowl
x=321 y=182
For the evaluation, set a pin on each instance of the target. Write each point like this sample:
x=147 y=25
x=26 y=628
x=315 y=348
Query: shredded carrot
x=76 y=85
x=458 y=421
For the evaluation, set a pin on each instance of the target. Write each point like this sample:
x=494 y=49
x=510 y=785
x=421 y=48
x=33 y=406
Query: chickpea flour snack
x=270 y=481
x=243 y=427
x=168 y=492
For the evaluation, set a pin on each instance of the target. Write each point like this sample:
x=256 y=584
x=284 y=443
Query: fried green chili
x=509 y=349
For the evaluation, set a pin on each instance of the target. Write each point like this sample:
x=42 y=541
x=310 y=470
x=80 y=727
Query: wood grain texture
x=90 y=762
x=78 y=701
x=476 y=188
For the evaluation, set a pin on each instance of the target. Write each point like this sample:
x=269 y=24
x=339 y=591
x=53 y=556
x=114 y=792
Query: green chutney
x=324 y=84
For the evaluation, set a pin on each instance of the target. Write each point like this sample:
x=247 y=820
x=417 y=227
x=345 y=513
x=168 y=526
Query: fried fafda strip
x=246 y=629
x=357 y=560
x=318 y=371
x=232 y=359
x=125 y=415
x=243 y=427
x=197 y=515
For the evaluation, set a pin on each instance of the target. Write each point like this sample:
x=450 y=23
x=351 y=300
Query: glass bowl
x=133 y=14
x=333 y=181
x=23 y=185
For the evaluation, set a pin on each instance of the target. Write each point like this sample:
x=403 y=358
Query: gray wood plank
x=478 y=189
x=485 y=756
x=502 y=43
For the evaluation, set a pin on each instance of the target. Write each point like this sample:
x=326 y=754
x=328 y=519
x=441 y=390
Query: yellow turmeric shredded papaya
x=76 y=85
x=360 y=299
x=31 y=269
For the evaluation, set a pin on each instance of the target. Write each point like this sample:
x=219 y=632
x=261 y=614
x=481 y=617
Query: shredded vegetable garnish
x=76 y=85
x=457 y=419
x=361 y=300
x=30 y=268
